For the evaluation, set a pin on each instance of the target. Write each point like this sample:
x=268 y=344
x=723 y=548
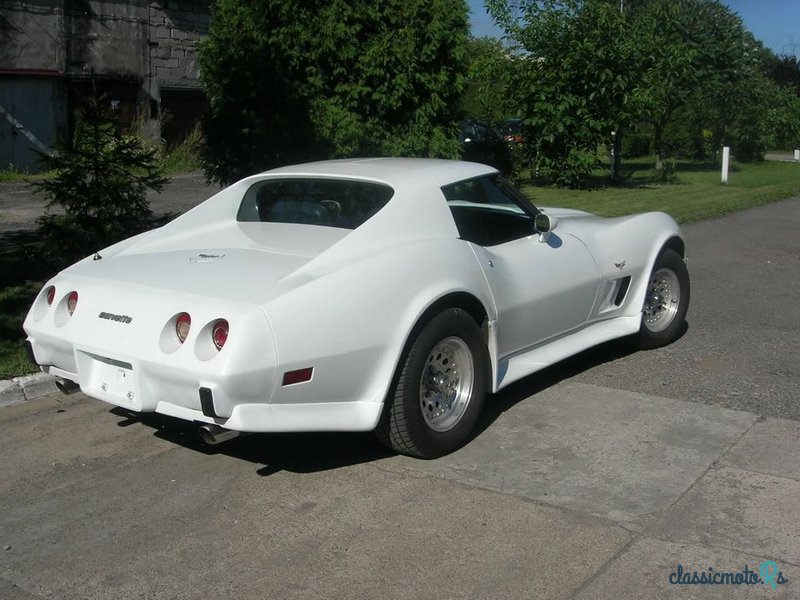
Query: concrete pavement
x=594 y=479
x=581 y=491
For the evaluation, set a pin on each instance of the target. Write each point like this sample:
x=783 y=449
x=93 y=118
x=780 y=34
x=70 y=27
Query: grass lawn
x=696 y=195
x=14 y=304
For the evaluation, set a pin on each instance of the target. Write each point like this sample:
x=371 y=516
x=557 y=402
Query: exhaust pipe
x=67 y=387
x=214 y=434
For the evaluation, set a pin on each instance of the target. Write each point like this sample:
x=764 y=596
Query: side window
x=488 y=211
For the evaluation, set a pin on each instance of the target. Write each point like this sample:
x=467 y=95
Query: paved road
x=20 y=206
x=780 y=156
x=742 y=346
x=579 y=492
x=592 y=480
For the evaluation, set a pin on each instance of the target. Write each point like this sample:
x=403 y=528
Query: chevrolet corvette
x=355 y=295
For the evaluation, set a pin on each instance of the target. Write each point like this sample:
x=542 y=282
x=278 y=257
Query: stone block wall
x=175 y=28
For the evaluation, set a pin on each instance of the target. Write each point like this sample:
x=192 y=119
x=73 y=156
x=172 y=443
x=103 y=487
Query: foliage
x=183 y=157
x=573 y=82
x=686 y=72
x=490 y=75
x=100 y=183
x=291 y=81
x=15 y=300
x=784 y=71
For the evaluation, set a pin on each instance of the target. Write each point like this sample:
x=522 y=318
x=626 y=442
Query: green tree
x=101 y=183
x=490 y=75
x=598 y=66
x=292 y=81
x=784 y=71
x=574 y=80
x=689 y=52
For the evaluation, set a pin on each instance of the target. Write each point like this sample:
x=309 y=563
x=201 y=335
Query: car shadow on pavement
x=274 y=452
x=497 y=404
x=315 y=452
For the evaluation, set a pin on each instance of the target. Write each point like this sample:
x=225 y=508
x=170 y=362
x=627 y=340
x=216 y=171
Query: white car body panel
x=344 y=302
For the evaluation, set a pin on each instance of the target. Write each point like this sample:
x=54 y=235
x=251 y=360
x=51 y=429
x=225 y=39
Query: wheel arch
x=395 y=433
x=466 y=301
x=675 y=243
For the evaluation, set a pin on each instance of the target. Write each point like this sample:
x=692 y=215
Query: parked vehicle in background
x=512 y=131
x=484 y=143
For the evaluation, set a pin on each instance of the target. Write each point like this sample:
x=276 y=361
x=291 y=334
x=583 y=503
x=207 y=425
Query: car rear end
x=145 y=349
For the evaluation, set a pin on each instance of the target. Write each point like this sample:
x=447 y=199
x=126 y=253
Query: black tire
x=664 y=310
x=403 y=426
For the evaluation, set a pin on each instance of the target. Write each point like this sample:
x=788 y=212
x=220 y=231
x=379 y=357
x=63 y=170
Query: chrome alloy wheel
x=661 y=300
x=445 y=388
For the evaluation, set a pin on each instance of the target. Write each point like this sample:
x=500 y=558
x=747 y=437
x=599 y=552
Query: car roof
x=393 y=171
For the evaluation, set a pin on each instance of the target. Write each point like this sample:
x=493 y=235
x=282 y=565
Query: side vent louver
x=622 y=290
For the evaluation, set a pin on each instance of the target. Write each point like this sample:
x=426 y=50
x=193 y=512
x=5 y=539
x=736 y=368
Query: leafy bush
x=636 y=145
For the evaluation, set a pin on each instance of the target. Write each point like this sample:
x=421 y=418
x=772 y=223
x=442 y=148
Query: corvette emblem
x=204 y=257
x=112 y=317
x=620 y=265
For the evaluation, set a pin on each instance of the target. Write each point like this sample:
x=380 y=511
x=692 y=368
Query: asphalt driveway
x=595 y=479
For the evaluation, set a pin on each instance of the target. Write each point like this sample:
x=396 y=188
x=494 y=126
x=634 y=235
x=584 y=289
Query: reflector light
x=183 y=322
x=50 y=295
x=219 y=333
x=72 y=302
x=298 y=376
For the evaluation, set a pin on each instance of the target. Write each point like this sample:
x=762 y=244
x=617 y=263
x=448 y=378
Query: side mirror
x=544 y=225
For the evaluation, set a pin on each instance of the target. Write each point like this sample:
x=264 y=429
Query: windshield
x=313 y=201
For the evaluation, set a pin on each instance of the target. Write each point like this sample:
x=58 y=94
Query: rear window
x=328 y=202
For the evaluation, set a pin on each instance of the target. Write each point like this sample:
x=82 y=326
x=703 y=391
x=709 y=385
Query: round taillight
x=183 y=323
x=72 y=302
x=219 y=333
x=50 y=295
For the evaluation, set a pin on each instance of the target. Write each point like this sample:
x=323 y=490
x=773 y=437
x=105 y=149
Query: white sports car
x=355 y=295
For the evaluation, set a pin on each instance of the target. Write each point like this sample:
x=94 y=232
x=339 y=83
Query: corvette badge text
x=768 y=574
x=112 y=317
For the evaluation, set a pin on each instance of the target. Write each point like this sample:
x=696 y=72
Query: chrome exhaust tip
x=67 y=387
x=214 y=434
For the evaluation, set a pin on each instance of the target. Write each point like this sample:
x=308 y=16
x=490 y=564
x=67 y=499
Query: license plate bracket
x=108 y=379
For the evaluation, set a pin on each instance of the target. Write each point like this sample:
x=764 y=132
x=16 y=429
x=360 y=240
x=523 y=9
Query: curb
x=28 y=387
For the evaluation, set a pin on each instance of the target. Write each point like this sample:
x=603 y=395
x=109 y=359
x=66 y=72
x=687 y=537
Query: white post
x=797 y=155
x=726 y=158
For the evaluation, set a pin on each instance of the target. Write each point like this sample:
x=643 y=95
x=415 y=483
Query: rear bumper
x=318 y=416
x=145 y=387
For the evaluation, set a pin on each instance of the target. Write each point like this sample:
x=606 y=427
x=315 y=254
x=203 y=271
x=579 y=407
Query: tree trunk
x=658 y=146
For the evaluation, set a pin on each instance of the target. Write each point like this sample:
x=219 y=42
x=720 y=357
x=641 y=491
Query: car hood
x=250 y=262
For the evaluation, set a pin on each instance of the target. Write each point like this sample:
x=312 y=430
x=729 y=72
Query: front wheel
x=666 y=302
x=437 y=396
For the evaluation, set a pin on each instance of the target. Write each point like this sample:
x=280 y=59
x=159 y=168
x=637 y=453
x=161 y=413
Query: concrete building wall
x=109 y=38
x=132 y=49
x=32 y=35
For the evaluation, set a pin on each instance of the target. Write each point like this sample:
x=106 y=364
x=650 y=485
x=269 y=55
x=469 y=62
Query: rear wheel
x=437 y=396
x=666 y=302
